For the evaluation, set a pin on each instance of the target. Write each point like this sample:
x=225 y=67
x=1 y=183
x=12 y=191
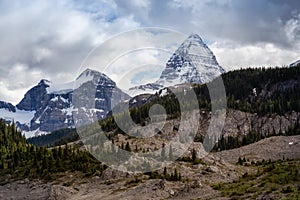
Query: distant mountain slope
x=192 y=62
x=265 y=94
x=294 y=64
x=55 y=138
x=7 y=106
x=47 y=106
x=10 y=113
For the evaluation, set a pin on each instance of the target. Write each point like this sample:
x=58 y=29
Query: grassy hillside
x=277 y=179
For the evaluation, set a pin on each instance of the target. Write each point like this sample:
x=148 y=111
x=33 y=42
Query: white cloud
x=15 y=81
x=138 y=67
x=127 y=54
x=41 y=53
x=20 y=74
x=50 y=39
x=292 y=30
x=10 y=95
x=239 y=56
x=144 y=4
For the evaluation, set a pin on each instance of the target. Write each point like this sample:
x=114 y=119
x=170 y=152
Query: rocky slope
x=237 y=124
x=219 y=167
x=273 y=148
x=113 y=184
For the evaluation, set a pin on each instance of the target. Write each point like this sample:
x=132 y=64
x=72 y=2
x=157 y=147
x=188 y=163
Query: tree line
x=19 y=159
x=255 y=90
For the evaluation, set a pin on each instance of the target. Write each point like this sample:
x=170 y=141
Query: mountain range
x=48 y=106
x=255 y=156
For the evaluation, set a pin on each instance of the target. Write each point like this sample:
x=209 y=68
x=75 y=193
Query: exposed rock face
x=7 y=106
x=241 y=123
x=110 y=174
x=51 y=110
x=54 y=114
x=264 y=196
x=35 y=97
x=95 y=98
x=192 y=62
x=52 y=105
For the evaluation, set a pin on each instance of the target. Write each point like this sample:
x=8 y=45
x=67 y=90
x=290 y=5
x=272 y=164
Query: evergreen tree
x=127 y=147
x=194 y=155
x=163 y=152
x=170 y=153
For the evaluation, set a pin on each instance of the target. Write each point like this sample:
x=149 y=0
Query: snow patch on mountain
x=85 y=76
x=192 y=62
x=64 y=88
x=59 y=98
x=164 y=92
x=150 y=88
x=61 y=88
x=21 y=116
x=68 y=111
x=34 y=133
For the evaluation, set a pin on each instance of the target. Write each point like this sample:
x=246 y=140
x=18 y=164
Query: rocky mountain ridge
x=295 y=64
x=7 y=106
x=48 y=107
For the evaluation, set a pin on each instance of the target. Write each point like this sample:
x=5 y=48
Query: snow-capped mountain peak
x=63 y=88
x=190 y=44
x=89 y=73
x=45 y=82
x=49 y=106
x=92 y=75
x=192 y=62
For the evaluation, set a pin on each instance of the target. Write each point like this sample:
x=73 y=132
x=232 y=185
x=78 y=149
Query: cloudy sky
x=50 y=39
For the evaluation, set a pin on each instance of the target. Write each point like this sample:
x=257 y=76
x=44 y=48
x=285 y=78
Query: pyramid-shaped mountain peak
x=192 y=62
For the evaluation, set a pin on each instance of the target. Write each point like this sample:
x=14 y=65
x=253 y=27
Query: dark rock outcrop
x=54 y=109
x=35 y=98
x=7 y=106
